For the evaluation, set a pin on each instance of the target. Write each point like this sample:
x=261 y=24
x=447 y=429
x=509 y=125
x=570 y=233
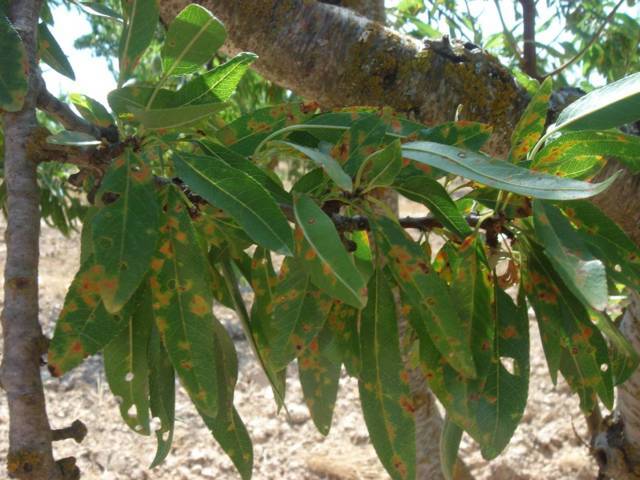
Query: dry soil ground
x=545 y=445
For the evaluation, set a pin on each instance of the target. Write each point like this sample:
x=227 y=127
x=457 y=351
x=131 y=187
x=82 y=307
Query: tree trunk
x=30 y=454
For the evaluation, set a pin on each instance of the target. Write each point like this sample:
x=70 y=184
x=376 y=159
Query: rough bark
x=30 y=455
x=329 y=54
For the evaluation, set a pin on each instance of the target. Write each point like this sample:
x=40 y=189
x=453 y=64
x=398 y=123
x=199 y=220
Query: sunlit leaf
x=76 y=139
x=500 y=174
x=530 y=127
x=50 y=52
x=140 y=22
x=605 y=107
x=91 y=110
x=192 y=39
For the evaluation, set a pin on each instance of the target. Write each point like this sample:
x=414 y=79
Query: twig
x=63 y=113
x=529 y=59
x=588 y=45
x=77 y=430
x=508 y=35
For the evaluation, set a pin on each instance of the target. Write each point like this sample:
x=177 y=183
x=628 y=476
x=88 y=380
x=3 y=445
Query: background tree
x=373 y=66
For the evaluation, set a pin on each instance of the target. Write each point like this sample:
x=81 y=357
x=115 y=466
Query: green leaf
x=240 y=162
x=218 y=84
x=101 y=10
x=91 y=110
x=319 y=372
x=14 y=67
x=530 y=127
x=426 y=294
x=238 y=194
x=331 y=167
x=84 y=325
x=127 y=369
x=607 y=241
x=299 y=313
x=174 y=117
x=162 y=395
x=140 y=21
x=343 y=320
x=500 y=174
x=583 y=154
x=244 y=134
x=385 y=397
x=330 y=266
x=380 y=168
x=230 y=432
x=193 y=37
x=505 y=392
x=365 y=136
x=258 y=333
x=50 y=52
x=77 y=139
x=582 y=272
x=183 y=304
x=125 y=229
x=575 y=346
x=606 y=107
x=449 y=445
x=423 y=189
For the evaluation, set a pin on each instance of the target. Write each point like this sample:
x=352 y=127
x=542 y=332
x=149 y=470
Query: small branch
x=77 y=431
x=67 y=117
x=529 y=60
x=588 y=45
x=508 y=35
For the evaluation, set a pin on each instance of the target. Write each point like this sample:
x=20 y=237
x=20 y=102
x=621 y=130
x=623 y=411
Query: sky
x=94 y=79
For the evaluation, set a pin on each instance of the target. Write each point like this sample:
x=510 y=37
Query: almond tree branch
x=529 y=59
x=588 y=45
x=30 y=455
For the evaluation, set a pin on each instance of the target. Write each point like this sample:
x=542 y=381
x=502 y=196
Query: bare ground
x=545 y=446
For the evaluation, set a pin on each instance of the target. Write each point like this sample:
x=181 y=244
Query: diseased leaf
x=343 y=321
x=91 y=110
x=423 y=189
x=449 y=445
x=607 y=241
x=330 y=266
x=319 y=372
x=380 y=168
x=124 y=229
x=77 y=139
x=127 y=369
x=582 y=272
x=426 y=294
x=576 y=347
x=192 y=39
x=331 y=167
x=500 y=174
x=14 y=67
x=183 y=307
x=244 y=134
x=364 y=137
x=140 y=21
x=530 y=127
x=605 y=107
x=84 y=325
x=50 y=52
x=238 y=194
x=299 y=312
x=385 y=397
x=162 y=386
